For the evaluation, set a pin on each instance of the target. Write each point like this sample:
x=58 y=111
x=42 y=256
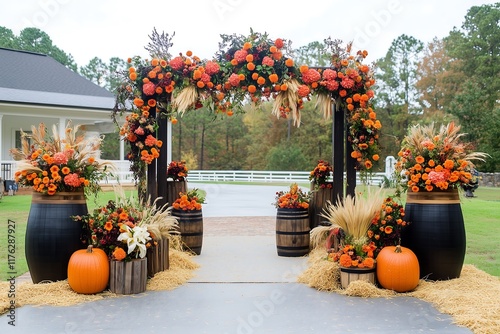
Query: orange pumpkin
x=398 y=269
x=88 y=270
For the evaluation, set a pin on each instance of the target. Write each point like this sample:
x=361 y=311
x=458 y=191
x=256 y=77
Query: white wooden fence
x=123 y=175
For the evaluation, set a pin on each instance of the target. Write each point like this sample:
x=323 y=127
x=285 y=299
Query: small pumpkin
x=398 y=269
x=88 y=270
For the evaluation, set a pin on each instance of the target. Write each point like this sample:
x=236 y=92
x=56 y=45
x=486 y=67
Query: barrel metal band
x=433 y=197
x=60 y=198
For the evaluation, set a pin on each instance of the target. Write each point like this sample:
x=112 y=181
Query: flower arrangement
x=139 y=131
x=246 y=68
x=51 y=164
x=433 y=159
x=320 y=174
x=114 y=229
x=295 y=198
x=125 y=229
x=191 y=200
x=349 y=83
x=177 y=170
x=260 y=67
x=387 y=224
x=352 y=217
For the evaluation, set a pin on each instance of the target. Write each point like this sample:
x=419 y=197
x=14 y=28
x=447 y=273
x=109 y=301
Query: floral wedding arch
x=245 y=69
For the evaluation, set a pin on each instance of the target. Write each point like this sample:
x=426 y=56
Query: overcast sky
x=113 y=28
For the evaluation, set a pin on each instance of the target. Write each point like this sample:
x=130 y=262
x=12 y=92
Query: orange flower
x=449 y=164
x=345 y=260
x=119 y=254
x=251 y=66
x=247 y=46
x=289 y=62
x=261 y=81
x=273 y=78
x=66 y=170
x=252 y=89
x=420 y=159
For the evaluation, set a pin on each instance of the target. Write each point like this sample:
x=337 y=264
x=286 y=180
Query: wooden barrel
x=318 y=201
x=347 y=275
x=436 y=233
x=52 y=236
x=173 y=190
x=128 y=277
x=292 y=232
x=191 y=228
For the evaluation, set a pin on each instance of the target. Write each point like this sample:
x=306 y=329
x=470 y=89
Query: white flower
x=136 y=239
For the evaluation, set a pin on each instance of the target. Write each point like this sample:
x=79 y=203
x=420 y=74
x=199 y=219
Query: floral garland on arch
x=245 y=69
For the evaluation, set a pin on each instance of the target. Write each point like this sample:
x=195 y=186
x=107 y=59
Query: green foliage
x=475 y=51
x=286 y=157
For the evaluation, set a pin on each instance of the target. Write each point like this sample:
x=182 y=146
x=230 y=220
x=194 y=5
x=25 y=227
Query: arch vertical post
x=344 y=171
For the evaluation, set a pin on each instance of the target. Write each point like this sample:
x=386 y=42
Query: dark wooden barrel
x=173 y=190
x=191 y=228
x=292 y=232
x=436 y=233
x=52 y=235
x=318 y=201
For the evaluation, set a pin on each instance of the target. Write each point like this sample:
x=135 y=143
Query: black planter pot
x=436 y=233
x=51 y=234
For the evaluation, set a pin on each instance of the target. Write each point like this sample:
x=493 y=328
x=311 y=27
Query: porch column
x=62 y=127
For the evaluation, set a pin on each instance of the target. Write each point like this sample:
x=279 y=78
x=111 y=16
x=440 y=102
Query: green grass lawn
x=481 y=216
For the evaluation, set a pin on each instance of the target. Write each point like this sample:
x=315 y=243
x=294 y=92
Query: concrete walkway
x=241 y=287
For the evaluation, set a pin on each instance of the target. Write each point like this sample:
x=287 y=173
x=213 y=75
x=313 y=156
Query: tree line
x=456 y=78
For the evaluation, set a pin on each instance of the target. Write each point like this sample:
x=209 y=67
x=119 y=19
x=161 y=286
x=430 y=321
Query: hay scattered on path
x=60 y=294
x=472 y=299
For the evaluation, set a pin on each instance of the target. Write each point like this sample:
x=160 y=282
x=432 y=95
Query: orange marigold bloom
x=368 y=262
x=345 y=260
x=429 y=187
x=284 y=87
x=189 y=53
x=138 y=102
x=414 y=189
x=247 y=46
x=261 y=81
x=234 y=62
x=252 y=89
x=273 y=78
x=375 y=157
x=119 y=254
x=200 y=84
x=169 y=89
x=241 y=76
x=196 y=74
x=342 y=93
x=420 y=159
x=368 y=164
x=151 y=102
x=304 y=69
x=289 y=62
x=133 y=76
x=449 y=164
x=66 y=170
x=273 y=49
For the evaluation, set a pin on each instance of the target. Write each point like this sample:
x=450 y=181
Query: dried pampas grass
x=288 y=98
x=186 y=98
x=354 y=214
x=324 y=103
